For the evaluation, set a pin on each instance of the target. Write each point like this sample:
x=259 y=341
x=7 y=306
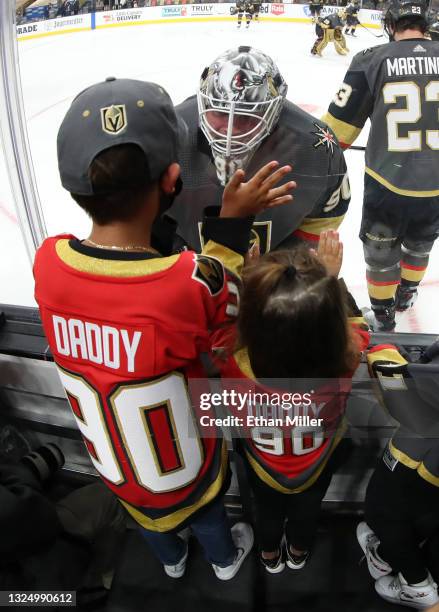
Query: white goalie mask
x=239 y=102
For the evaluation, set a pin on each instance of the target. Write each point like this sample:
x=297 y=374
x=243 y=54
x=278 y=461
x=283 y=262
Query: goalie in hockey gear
x=240 y=98
x=330 y=29
x=241 y=92
x=402 y=15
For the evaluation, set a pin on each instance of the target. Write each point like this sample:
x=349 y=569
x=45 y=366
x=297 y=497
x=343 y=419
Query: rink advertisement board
x=298 y=13
x=60 y=25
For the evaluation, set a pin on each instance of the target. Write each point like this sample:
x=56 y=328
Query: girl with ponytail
x=296 y=352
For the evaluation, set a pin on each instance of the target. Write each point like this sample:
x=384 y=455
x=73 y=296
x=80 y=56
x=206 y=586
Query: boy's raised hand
x=246 y=199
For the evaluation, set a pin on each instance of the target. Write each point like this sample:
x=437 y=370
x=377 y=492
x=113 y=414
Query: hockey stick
x=370 y=31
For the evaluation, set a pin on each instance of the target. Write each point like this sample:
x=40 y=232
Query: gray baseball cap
x=115 y=112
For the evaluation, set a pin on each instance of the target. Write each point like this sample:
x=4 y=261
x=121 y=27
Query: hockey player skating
x=395 y=85
x=256 y=10
x=243 y=6
x=249 y=11
x=315 y=8
x=240 y=117
x=352 y=20
x=330 y=29
x=238 y=10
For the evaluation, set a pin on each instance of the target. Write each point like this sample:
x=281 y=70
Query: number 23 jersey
x=396 y=85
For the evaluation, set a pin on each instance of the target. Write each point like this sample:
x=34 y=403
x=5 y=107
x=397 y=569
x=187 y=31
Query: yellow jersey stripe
x=405 y=192
x=173 y=520
x=111 y=267
x=345 y=132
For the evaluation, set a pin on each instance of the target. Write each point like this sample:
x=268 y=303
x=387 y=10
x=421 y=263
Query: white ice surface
x=55 y=69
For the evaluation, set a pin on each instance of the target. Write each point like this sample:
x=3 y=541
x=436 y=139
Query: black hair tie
x=290 y=272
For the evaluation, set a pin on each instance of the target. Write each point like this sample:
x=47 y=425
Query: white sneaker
x=242 y=535
x=369 y=543
x=177 y=571
x=274 y=566
x=296 y=562
x=396 y=590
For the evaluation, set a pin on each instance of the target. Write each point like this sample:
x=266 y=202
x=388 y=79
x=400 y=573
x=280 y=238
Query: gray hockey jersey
x=320 y=200
x=396 y=85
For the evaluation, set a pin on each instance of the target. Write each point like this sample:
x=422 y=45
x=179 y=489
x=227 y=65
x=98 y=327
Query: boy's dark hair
x=293 y=319
x=119 y=176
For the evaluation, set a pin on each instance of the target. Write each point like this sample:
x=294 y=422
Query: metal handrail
x=14 y=138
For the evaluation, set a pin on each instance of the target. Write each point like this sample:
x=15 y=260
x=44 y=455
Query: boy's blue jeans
x=212 y=530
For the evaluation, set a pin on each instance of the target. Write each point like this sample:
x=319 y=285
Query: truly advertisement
x=174 y=11
x=202 y=9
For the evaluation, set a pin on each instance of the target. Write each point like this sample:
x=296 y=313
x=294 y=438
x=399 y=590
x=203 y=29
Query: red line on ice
x=12 y=218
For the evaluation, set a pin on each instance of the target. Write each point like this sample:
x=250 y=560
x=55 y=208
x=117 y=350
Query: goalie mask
x=401 y=9
x=239 y=102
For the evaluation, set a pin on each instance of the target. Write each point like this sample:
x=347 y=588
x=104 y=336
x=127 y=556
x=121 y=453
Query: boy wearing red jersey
x=126 y=325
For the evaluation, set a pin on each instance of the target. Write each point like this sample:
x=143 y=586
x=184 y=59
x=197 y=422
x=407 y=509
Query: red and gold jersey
x=288 y=433
x=126 y=331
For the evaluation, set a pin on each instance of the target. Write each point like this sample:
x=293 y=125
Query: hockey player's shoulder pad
x=368 y=56
x=327 y=138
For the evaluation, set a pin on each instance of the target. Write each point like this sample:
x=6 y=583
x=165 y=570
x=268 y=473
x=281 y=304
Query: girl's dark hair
x=119 y=176
x=293 y=319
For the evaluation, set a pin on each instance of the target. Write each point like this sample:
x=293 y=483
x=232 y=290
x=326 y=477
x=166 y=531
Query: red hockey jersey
x=126 y=331
x=288 y=434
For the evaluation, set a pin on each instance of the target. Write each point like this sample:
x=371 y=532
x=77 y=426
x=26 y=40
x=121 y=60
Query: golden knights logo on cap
x=114 y=119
